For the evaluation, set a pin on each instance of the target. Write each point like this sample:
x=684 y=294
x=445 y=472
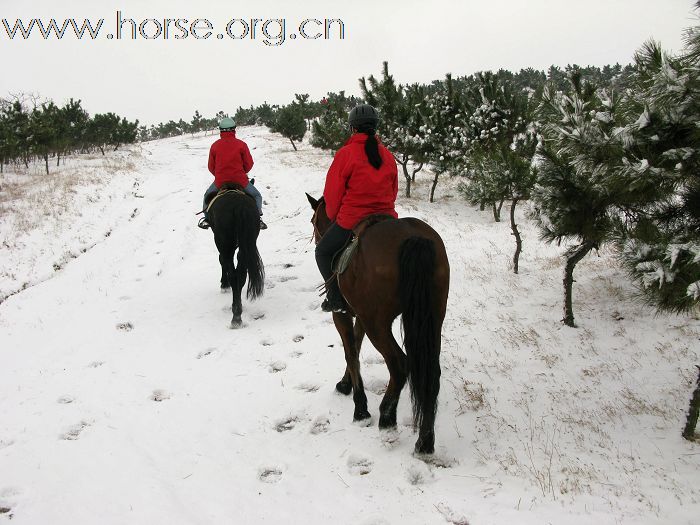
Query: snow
x=126 y=398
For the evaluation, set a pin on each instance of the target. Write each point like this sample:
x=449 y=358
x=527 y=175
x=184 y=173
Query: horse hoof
x=225 y=289
x=344 y=388
x=361 y=415
x=387 y=422
x=236 y=323
x=425 y=447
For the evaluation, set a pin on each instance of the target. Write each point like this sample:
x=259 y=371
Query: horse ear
x=312 y=201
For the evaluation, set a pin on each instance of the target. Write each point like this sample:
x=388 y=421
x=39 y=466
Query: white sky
x=158 y=80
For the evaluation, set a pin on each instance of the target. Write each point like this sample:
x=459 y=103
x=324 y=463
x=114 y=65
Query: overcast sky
x=157 y=79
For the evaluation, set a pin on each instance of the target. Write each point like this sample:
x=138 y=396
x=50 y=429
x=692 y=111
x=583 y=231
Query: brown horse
x=400 y=267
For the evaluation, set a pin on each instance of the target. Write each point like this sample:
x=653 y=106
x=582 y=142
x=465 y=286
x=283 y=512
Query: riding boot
x=334 y=302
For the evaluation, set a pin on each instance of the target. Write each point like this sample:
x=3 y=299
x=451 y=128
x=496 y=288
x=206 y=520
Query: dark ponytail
x=371 y=146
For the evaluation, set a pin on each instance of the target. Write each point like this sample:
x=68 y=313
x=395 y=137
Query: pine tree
x=660 y=158
x=331 y=129
x=290 y=123
x=573 y=198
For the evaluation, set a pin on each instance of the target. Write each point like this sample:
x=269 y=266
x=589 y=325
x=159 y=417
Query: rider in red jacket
x=362 y=180
x=230 y=161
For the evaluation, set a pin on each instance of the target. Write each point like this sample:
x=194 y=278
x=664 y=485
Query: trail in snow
x=125 y=398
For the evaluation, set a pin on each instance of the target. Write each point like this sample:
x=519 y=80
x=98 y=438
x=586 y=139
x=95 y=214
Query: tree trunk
x=416 y=170
x=116 y=147
x=46 y=161
x=58 y=158
x=496 y=212
x=432 y=189
x=516 y=233
x=482 y=206
x=404 y=166
x=572 y=259
x=295 y=148
x=693 y=411
x=102 y=150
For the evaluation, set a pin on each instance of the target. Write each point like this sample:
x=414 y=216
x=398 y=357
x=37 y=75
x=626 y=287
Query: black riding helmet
x=363 y=114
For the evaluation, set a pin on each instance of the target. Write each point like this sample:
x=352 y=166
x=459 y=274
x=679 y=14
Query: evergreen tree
x=573 y=198
x=289 y=122
x=331 y=129
x=660 y=158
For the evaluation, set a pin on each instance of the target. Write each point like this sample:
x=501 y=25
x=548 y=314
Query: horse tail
x=420 y=326
x=248 y=228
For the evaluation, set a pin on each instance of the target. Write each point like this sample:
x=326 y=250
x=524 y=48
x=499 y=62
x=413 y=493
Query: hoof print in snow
x=436 y=460
x=418 y=474
x=309 y=387
x=258 y=315
x=376 y=386
x=390 y=437
x=298 y=338
x=321 y=425
x=65 y=400
x=296 y=354
x=159 y=395
x=359 y=465
x=270 y=474
x=96 y=364
x=5 y=444
x=287 y=265
x=286 y=424
x=125 y=327
x=450 y=515
x=6 y=511
x=277 y=366
x=286 y=278
x=267 y=342
x=74 y=432
x=205 y=353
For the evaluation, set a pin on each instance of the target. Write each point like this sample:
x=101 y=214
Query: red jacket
x=354 y=189
x=230 y=160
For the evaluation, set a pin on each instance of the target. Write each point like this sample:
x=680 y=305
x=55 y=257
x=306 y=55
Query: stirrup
x=203 y=223
x=263 y=226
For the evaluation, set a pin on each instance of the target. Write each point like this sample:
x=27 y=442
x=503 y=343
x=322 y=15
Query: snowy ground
x=125 y=397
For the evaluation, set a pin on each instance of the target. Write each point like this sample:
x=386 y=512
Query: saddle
x=227 y=187
x=342 y=259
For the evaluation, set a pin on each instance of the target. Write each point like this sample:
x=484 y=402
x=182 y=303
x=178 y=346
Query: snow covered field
x=125 y=397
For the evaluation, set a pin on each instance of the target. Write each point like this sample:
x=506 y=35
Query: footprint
x=6 y=511
x=298 y=338
x=205 y=353
x=125 y=327
x=4 y=443
x=96 y=364
x=287 y=265
x=65 y=400
x=74 y=432
x=159 y=395
x=277 y=366
x=259 y=315
x=286 y=278
x=359 y=465
x=418 y=474
x=296 y=354
x=267 y=342
x=286 y=424
x=270 y=474
x=376 y=386
x=309 y=386
x=321 y=425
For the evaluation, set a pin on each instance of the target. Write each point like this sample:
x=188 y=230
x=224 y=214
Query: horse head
x=320 y=219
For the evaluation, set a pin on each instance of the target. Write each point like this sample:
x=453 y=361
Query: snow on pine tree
x=661 y=159
x=573 y=199
x=331 y=130
x=442 y=136
x=399 y=119
x=503 y=139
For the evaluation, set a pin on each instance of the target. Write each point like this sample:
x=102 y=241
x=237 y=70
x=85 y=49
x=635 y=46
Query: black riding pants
x=334 y=239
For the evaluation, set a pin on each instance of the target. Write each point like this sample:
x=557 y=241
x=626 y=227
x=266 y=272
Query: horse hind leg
x=238 y=277
x=225 y=261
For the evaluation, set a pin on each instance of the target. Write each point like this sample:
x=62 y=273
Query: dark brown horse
x=400 y=267
x=235 y=222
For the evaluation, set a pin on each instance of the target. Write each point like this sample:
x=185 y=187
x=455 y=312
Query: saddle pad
x=342 y=260
x=223 y=192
